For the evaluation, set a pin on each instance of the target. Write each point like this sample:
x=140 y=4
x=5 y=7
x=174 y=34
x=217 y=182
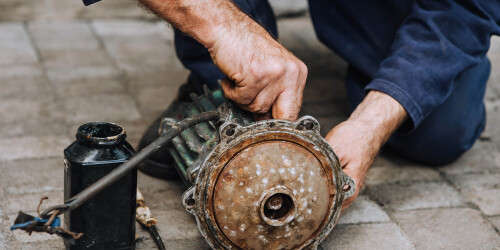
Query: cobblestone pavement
x=58 y=74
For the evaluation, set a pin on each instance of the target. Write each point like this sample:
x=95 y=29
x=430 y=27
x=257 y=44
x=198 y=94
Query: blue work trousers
x=443 y=135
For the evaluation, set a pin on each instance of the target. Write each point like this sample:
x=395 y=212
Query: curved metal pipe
x=132 y=163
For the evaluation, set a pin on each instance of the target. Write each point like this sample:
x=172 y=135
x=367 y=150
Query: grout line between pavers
x=380 y=202
x=497 y=229
x=470 y=204
x=124 y=77
x=445 y=179
x=375 y=199
x=32 y=42
x=41 y=64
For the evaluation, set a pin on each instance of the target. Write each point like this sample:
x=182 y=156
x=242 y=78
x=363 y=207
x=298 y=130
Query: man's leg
x=195 y=56
x=448 y=131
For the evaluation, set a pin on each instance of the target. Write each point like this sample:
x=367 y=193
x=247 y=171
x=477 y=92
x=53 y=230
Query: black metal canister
x=108 y=219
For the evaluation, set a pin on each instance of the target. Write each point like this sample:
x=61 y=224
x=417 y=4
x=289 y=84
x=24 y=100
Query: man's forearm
x=204 y=20
x=358 y=140
x=381 y=114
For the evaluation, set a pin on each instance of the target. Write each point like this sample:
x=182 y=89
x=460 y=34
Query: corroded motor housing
x=271 y=184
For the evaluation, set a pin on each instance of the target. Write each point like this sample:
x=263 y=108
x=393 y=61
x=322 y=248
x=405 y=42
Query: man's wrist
x=380 y=115
x=205 y=21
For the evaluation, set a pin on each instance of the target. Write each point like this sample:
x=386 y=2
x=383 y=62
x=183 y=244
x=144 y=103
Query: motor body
x=271 y=184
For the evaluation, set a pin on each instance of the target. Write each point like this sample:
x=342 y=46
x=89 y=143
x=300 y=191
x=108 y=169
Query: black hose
x=132 y=163
x=156 y=237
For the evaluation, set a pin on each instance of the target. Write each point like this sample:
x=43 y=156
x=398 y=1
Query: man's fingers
x=264 y=101
x=238 y=94
x=287 y=106
x=260 y=117
x=350 y=170
x=229 y=89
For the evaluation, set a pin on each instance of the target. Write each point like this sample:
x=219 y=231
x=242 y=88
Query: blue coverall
x=429 y=55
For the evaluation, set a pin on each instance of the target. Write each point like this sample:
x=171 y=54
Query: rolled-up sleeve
x=436 y=42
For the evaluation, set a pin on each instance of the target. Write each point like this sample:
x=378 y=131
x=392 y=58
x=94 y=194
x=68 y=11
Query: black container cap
x=100 y=134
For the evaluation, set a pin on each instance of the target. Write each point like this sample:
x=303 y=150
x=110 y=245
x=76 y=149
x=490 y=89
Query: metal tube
x=132 y=163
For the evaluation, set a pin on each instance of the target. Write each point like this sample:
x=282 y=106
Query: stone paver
x=482 y=157
x=48 y=178
x=417 y=195
x=23 y=71
x=67 y=65
x=1 y=201
x=184 y=224
x=69 y=35
x=496 y=222
x=23 y=110
x=25 y=87
x=448 y=228
x=153 y=188
x=28 y=108
x=28 y=202
x=125 y=28
x=367 y=236
x=15 y=45
x=89 y=87
x=152 y=99
x=196 y=243
x=482 y=190
x=400 y=174
x=67 y=59
x=32 y=147
x=88 y=73
x=486 y=200
x=363 y=210
x=115 y=107
x=3 y=244
x=49 y=244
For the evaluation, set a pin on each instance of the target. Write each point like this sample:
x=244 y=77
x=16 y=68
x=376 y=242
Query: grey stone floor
x=59 y=71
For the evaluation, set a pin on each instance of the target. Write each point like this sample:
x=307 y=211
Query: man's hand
x=358 y=140
x=264 y=77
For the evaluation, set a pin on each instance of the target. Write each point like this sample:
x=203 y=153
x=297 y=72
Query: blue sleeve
x=436 y=42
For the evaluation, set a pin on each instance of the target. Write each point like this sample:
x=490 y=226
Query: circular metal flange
x=269 y=185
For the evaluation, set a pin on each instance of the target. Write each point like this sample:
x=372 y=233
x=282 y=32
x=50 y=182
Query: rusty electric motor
x=258 y=185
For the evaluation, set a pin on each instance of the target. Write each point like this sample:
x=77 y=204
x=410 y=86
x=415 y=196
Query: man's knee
x=454 y=126
x=439 y=144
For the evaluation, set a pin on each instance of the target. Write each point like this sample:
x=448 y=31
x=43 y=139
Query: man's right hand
x=263 y=77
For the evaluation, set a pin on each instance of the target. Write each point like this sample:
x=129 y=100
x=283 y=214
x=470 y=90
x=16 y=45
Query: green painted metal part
x=188 y=149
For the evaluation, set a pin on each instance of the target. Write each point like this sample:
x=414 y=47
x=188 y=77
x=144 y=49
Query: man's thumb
x=286 y=107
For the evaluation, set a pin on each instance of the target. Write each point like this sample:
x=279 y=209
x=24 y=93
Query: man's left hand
x=358 y=140
x=356 y=149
